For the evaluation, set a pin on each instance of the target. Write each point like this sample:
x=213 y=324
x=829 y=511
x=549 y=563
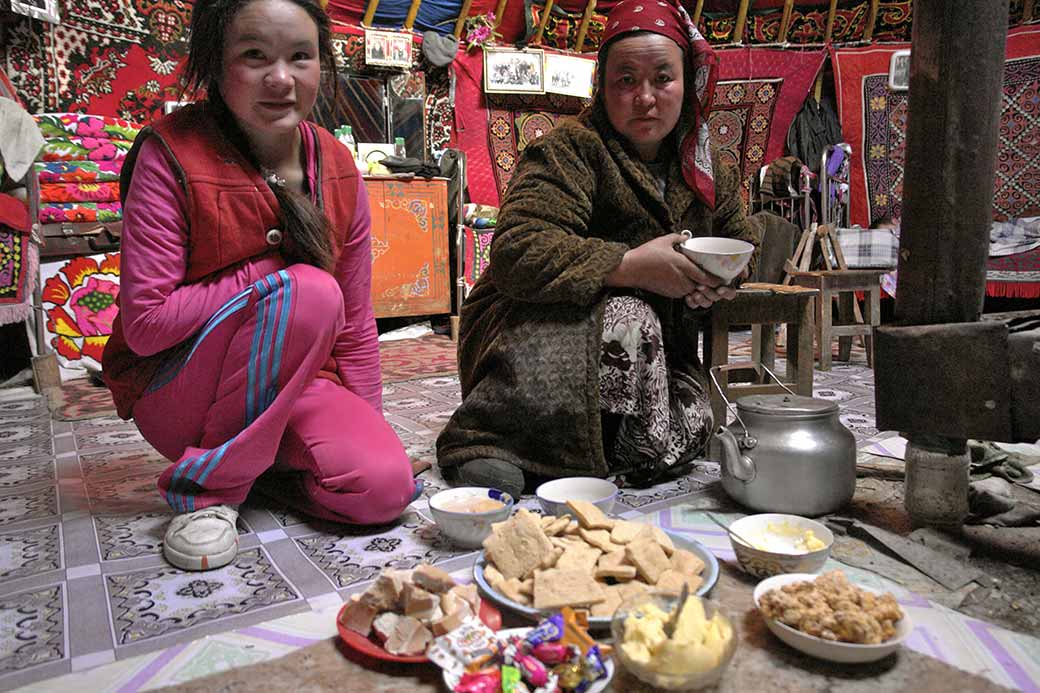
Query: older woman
x=578 y=349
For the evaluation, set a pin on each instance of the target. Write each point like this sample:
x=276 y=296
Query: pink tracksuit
x=240 y=395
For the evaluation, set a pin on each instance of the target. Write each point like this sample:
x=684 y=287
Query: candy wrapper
x=556 y=655
x=467 y=647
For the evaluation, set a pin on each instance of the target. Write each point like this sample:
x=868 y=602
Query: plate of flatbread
x=535 y=565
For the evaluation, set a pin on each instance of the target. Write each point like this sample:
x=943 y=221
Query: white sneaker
x=202 y=540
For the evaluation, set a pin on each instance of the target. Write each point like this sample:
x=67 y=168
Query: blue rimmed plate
x=710 y=574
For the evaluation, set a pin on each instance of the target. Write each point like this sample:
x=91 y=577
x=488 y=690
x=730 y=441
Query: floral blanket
x=79 y=192
x=57 y=212
x=78 y=171
x=74 y=147
x=61 y=125
x=79 y=300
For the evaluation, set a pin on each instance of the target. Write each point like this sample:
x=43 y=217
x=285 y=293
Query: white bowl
x=842 y=652
x=784 y=556
x=466 y=529
x=723 y=257
x=553 y=495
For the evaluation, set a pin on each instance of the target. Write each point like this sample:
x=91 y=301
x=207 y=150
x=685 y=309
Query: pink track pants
x=243 y=397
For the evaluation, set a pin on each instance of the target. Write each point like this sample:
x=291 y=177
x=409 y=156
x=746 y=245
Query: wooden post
x=590 y=7
x=370 y=13
x=537 y=40
x=413 y=10
x=1027 y=11
x=785 y=21
x=698 y=8
x=500 y=9
x=463 y=15
x=868 y=30
x=831 y=14
x=738 y=28
x=956 y=77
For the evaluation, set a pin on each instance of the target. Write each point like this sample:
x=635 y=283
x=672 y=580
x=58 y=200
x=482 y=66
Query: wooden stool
x=762 y=306
x=843 y=285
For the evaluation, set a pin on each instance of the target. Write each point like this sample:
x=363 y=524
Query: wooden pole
x=500 y=9
x=698 y=8
x=590 y=7
x=413 y=10
x=738 y=28
x=1027 y=11
x=831 y=14
x=785 y=21
x=868 y=30
x=370 y=13
x=537 y=40
x=463 y=15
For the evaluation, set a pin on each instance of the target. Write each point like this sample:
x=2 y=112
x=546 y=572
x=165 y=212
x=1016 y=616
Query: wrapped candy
x=570 y=674
x=510 y=677
x=485 y=681
x=551 y=652
x=549 y=630
x=592 y=669
x=532 y=670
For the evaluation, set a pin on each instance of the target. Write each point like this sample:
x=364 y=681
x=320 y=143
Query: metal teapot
x=794 y=456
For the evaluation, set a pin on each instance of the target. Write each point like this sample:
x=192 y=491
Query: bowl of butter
x=695 y=655
x=780 y=544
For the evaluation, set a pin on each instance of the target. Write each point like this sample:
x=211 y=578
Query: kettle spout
x=734 y=462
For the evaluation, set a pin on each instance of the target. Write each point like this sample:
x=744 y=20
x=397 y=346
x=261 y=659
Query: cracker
x=519 y=546
x=624 y=531
x=556 y=588
x=600 y=538
x=589 y=515
x=579 y=557
x=572 y=528
x=687 y=562
x=648 y=557
x=612 y=559
x=551 y=558
x=620 y=573
x=672 y=580
x=558 y=525
x=631 y=589
x=511 y=588
x=610 y=603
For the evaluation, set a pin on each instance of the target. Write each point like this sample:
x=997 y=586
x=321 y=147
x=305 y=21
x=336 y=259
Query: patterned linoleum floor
x=82 y=580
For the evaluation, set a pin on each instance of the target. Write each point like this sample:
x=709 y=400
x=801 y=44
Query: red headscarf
x=670 y=19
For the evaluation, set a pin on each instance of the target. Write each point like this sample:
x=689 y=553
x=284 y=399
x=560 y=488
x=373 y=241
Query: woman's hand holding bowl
x=656 y=266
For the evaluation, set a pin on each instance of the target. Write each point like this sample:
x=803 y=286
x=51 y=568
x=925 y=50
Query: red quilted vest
x=230 y=210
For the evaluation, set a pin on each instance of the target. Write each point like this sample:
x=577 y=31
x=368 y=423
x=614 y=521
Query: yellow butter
x=696 y=646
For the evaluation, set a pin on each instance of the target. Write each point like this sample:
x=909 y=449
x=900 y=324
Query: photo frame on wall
x=899 y=71
x=45 y=10
x=569 y=75
x=508 y=71
x=388 y=48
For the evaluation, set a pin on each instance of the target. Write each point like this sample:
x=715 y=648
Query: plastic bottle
x=345 y=135
x=399 y=147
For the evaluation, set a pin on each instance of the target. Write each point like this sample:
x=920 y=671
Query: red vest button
x=274 y=237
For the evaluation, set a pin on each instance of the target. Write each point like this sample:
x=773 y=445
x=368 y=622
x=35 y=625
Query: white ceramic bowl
x=466 y=529
x=553 y=495
x=666 y=602
x=723 y=257
x=784 y=556
x=842 y=652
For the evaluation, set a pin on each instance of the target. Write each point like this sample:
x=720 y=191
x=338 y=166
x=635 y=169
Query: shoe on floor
x=202 y=540
x=493 y=473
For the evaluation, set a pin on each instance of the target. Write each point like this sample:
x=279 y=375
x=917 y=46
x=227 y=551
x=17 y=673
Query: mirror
x=378 y=108
x=407 y=114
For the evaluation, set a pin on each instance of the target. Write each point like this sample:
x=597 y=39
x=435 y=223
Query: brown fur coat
x=529 y=345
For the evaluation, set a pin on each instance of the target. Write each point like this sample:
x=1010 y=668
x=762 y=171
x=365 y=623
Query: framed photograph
x=899 y=71
x=388 y=48
x=45 y=10
x=508 y=71
x=570 y=75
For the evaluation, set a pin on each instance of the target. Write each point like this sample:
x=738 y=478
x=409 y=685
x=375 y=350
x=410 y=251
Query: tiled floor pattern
x=82 y=580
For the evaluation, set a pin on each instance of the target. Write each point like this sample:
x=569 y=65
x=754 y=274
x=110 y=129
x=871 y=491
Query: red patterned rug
x=873 y=119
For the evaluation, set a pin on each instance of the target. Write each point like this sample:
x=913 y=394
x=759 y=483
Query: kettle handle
x=748 y=439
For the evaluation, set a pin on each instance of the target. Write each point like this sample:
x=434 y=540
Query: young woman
x=577 y=349
x=245 y=343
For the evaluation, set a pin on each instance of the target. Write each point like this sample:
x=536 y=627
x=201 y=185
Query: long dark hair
x=307 y=229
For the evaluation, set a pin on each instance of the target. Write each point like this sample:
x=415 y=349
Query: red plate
x=369 y=646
